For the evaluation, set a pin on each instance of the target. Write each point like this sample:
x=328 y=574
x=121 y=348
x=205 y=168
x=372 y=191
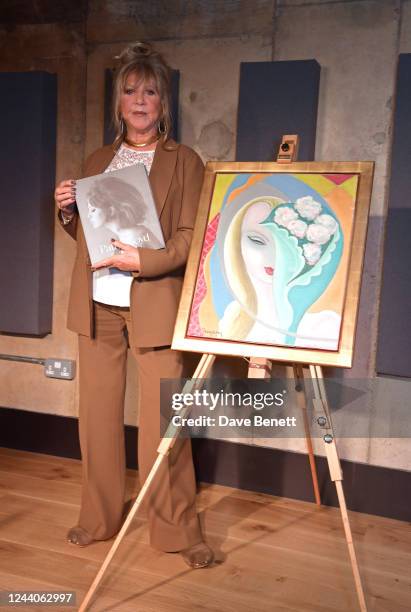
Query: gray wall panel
x=394 y=334
x=277 y=98
x=28 y=104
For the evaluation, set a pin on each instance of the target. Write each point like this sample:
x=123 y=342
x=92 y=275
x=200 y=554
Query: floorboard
x=273 y=554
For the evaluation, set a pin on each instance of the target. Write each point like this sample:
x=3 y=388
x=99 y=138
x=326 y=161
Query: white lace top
x=110 y=285
x=128 y=157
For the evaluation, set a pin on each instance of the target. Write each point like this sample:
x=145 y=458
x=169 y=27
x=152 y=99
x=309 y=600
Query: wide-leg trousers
x=170 y=503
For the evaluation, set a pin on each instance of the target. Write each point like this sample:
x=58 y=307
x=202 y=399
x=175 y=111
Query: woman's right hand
x=65 y=197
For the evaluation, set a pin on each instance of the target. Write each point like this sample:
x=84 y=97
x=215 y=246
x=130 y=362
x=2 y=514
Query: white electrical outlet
x=60 y=368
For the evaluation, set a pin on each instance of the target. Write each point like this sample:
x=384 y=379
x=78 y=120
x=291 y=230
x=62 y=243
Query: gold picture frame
x=276 y=260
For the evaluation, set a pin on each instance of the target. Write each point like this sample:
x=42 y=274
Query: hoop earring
x=123 y=127
x=162 y=127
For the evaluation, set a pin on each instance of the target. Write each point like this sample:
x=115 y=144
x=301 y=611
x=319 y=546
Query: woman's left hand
x=128 y=260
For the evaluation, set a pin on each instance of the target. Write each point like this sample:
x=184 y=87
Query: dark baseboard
x=370 y=489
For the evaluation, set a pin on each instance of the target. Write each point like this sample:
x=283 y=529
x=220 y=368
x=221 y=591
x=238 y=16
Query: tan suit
x=176 y=177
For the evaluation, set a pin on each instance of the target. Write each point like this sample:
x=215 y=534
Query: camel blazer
x=176 y=178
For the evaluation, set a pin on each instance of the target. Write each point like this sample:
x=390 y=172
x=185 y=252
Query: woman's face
x=96 y=216
x=257 y=244
x=140 y=106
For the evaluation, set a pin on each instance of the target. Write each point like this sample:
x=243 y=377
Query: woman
x=145 y=305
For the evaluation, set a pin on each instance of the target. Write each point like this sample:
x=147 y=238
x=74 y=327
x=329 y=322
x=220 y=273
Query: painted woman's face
x=257 y=244
x=96 y=216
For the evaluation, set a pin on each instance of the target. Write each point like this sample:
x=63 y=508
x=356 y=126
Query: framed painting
x=276 y=261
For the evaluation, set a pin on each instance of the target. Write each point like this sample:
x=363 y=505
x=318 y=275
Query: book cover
x=119 y=205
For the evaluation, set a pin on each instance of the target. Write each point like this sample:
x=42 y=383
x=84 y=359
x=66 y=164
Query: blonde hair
x=240 y=321
x=241 y=316
x=142 y=59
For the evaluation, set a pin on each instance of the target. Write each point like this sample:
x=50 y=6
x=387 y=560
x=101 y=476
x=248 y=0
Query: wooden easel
x=259 y=368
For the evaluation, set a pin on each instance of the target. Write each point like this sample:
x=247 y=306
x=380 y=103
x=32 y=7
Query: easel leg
x=164 y=448
x=261 y=368
x=302 y=402
x=334 y=467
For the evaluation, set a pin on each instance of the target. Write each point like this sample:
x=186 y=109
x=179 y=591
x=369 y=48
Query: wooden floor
x=273 y=554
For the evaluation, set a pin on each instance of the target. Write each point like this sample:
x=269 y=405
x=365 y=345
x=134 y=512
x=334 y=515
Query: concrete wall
x=356 y=43
x=195 y=37
x=57 y=48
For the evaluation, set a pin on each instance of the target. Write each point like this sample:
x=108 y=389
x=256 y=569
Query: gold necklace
x=141 y=144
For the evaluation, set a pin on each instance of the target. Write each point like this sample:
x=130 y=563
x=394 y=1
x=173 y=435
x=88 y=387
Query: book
x=120 y=205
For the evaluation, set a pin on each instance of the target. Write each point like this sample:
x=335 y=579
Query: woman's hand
x=127 y=260
x=65 y=197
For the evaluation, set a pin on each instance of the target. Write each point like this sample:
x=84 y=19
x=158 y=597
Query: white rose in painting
x=308 y=207
x=284 y=215
x=318 y=233
x=297 y=227
x=312 y=253
x=327 y=221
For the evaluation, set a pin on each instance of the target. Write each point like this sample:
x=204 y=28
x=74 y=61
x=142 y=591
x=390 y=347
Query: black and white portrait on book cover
x=119 y=205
